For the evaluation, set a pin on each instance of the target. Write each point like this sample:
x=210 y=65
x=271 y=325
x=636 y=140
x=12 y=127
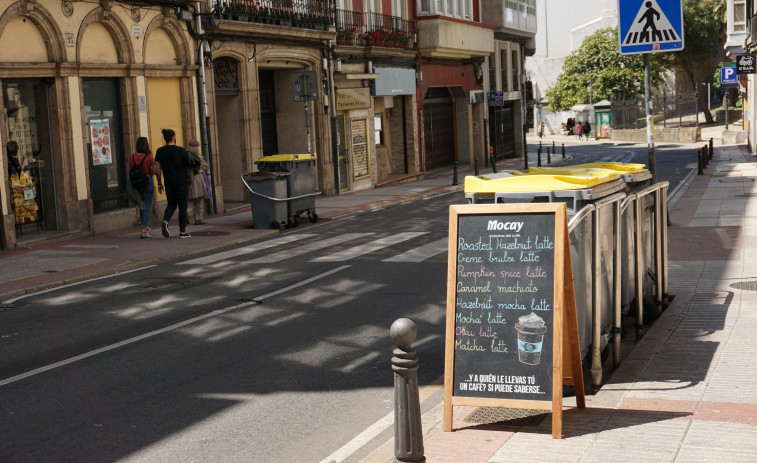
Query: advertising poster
x=100 y=139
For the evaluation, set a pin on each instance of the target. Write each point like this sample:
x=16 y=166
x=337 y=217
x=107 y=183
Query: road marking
x=18 y=298
x=357 y=251
x=378 y=427
x=213 y=258
x=422 y=253
x=151 y=334
x=126 y=342
x=300 y=250
x=302 y=283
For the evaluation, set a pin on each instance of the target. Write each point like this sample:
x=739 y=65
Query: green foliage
x=703 y=27
x=598 y=64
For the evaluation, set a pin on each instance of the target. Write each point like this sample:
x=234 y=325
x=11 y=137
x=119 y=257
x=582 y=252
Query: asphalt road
x=275 y=351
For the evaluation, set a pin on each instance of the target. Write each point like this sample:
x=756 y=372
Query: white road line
x=357 y=251
x=151 y=334
x=18 y=298
x=377 y=428
x=422 y=253
x=126 y=342
x=302 y=283
x=312 y=247
x=213 y=258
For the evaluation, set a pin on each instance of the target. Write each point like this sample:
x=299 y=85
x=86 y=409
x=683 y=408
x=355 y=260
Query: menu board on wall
x=509 y=316
x=100 y=139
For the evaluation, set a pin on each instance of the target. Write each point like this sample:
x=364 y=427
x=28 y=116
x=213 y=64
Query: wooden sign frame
x=566 y=356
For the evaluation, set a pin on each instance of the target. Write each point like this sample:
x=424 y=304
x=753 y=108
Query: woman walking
x=146 y=161
x=580 y=130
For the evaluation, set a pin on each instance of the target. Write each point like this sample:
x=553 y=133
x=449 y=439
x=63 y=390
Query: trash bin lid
x=286 y=157
x=626 y=168
x=535 y=183
x=493 y=176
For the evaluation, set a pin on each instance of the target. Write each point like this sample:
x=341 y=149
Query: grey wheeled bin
x=268 y=198
x=301 y=190
x=576 y=191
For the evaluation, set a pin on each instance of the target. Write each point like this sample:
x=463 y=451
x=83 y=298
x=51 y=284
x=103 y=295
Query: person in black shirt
x=174 y=162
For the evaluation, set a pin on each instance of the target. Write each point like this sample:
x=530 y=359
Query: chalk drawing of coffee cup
x=531 y=329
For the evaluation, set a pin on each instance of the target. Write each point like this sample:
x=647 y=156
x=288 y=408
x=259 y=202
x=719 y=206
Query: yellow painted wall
x=22 y=31
x=164 y=112
x=97 y=46
x=160 y=49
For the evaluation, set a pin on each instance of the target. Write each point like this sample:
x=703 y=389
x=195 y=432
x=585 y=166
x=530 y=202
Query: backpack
x=137 y=175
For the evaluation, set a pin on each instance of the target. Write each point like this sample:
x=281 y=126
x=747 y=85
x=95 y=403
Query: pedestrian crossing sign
x=650 y=26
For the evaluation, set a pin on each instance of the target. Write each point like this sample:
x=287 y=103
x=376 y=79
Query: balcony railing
x=307 y=14
x=374 y=30
x=752 y=40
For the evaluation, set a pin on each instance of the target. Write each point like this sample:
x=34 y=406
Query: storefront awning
x=582 y=107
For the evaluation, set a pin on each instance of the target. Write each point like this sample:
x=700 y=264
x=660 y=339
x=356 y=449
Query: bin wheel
x=293 y=221
x=275 y=225
x=312 y=217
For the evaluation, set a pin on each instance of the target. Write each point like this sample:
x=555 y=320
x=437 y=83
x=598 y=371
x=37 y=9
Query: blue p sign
x=728 y=75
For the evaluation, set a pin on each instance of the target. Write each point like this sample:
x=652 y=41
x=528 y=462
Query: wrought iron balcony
x=374 y=30
x=752 y=39
x=306 y=14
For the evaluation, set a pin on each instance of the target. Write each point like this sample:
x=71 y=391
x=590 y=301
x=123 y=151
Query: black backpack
x=137 y=175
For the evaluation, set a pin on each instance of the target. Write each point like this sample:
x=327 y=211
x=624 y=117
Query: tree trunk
x=700 y=96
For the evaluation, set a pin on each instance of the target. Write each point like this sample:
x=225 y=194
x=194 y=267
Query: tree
x=703 y=28
x=598 y=65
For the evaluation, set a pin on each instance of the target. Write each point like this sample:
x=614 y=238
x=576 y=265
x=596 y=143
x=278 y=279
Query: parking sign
x=728 y=75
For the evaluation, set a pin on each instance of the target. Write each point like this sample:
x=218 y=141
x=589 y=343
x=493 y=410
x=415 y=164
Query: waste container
x=636 y=177
x=268 y=198
x=576 y=191
x=301 y=190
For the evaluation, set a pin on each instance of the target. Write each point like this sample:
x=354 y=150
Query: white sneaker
x=164 y=229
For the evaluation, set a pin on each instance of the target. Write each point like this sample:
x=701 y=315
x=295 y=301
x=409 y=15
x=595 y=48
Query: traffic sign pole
x=650 y=135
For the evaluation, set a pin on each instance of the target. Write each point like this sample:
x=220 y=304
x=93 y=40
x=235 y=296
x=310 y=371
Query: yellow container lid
x=528 y=183
x=626 y=168
x=286 y=157
x=572 y=171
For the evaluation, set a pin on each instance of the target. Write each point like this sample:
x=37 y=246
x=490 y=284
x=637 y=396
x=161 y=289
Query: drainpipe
x=204 y=119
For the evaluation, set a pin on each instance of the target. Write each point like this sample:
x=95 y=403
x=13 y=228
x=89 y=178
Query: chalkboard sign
x=506 y=308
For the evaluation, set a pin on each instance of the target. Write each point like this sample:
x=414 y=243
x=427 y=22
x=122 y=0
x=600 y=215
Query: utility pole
x=650 y=128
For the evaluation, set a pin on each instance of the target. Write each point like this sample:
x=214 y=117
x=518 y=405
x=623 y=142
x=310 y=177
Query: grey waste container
x=268 y=198
x=301 y=185
x=542 y=188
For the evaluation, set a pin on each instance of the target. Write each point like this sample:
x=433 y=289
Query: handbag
x=207 y=185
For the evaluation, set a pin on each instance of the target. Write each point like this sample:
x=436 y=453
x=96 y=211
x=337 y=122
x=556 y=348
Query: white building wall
x=560 y=29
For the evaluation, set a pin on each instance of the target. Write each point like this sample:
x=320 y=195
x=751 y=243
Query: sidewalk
x=686 y=392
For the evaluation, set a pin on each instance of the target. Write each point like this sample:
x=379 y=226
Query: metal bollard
x=700 y=170
x=538 y=157
x=408 y=433
x=549 y=156
x=494 y=164
x=454 y=173
x=706 y=156
x=711 y=150
x=475 y=167
x=563 y=150
x=553 y=147
x=525 y=160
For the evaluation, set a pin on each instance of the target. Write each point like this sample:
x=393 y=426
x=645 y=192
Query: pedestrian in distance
x=587 y=129
x=198 y=183
x=174 y=163
x=144 y=160
x=579 y=130
x=541 y=129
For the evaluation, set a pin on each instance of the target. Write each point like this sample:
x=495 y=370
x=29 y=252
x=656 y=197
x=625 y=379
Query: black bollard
x=454 y=174
x=700 y=170
x=553 y=147
x=525 y=160
x=538 y=157
x=563 y=150
x=706 y=156
x=408 y=433
x=711 y=150
x=494 y=164
x=549 y=156
x=475 y=167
